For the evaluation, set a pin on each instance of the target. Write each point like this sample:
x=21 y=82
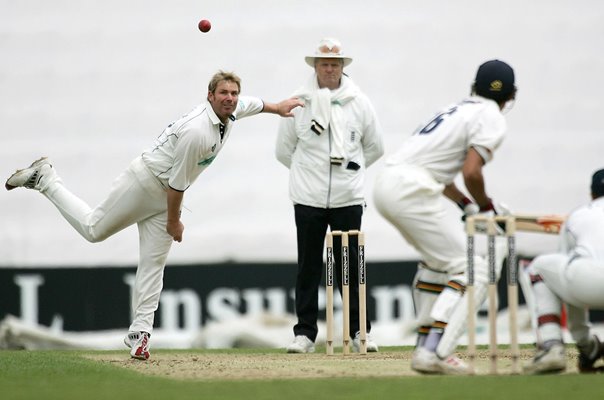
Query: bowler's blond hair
x=221 y=76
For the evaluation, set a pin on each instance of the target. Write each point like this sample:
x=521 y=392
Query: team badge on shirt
x=207 y=161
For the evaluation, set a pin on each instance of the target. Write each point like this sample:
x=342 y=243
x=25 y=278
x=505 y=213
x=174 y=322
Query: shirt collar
x=214 y=118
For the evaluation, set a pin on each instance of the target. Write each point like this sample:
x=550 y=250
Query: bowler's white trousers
x=136 y=197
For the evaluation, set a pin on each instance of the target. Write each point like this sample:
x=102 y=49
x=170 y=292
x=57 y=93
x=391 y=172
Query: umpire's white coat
x=313 y=180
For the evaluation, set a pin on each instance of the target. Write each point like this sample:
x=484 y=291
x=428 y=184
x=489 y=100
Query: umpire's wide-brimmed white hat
x=328 y=48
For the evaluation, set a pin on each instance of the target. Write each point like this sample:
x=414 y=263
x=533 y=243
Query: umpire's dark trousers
x=311 y=225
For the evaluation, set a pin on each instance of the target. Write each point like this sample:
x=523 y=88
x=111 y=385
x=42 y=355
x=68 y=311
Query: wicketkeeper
x=573 y=277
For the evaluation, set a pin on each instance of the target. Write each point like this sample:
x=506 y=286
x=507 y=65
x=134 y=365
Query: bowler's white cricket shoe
x=548 y=361
x=372 y=347
x=31 y=177
x=139 y=344
x=301 y=344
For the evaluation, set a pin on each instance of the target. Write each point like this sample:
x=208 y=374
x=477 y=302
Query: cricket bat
x=544 y=223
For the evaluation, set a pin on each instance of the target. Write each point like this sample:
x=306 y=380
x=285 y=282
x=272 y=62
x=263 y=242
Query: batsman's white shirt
x=408 y=191
x=190 y=144
x=440 y=146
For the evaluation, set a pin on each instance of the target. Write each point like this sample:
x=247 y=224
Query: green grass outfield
x=70 y=375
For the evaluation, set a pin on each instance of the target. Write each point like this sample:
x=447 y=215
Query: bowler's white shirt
x=190 y=144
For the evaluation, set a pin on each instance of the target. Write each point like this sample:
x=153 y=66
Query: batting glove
x=468 y=207
x=496 y=208
x=492 y=209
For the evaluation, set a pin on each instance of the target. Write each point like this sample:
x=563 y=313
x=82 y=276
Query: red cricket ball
x=204 y=25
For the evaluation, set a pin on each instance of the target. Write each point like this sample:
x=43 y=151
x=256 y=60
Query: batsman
x=409 y=193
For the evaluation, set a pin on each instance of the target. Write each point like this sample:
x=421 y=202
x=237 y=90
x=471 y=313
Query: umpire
x=327 y=146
